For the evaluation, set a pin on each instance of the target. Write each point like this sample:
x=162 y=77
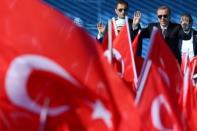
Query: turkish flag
x=188 y=102
x=155 y=104
x=113 y=31
x=185 y=62
x=188 y=99
x=167 y=65
x=188 y=95
x=193 y=66
x=52 y=72
x=123 y=53
x=138 y=59
x=192 y=119
x=157 y=95
x=135 y=42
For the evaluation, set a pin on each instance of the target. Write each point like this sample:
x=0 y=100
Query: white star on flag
x=100 y=112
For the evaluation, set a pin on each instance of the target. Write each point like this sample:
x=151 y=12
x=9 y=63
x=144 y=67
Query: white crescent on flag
x=117 y=55
x=155 y=113
x=16 y=80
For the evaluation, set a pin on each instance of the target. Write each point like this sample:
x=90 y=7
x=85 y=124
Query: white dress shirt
x=187 y=47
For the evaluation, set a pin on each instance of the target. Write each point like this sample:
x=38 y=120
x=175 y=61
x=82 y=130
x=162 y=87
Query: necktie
x=164 y=32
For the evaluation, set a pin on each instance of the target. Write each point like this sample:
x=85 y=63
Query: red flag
x=193 y=67
x=155 y=104
x=52 y=72
x=167 y=65
x=188 y=97
x=135 y=43
x=123 y=52
x=185 y=62
x=138 y=59
x=104 y=44
x=192 y=120
x=188 y=100
x=157 y=95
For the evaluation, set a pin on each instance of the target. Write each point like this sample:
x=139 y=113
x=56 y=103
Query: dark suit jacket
x=194 y=42
x=133 y=33
x=172 y=36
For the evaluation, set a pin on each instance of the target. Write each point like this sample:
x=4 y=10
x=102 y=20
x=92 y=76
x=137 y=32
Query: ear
x=180 y=21
x=170 y=14
x=169 y=17
x=116 y=11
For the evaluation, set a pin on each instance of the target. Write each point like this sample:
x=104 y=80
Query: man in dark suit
x=190 y=45
x=121 y=11
x=169 y=30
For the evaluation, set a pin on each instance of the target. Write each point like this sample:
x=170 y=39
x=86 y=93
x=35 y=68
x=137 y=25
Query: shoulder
x=195 y=32
x=153 y=24
x=174 y=25
x=130 y=20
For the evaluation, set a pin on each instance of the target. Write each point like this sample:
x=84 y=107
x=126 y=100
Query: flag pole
x=193 y=68
x=131 y=52
x=44 y=114
x=114 y=26
x=110 y=41
x=142 y=82
x=185 y=85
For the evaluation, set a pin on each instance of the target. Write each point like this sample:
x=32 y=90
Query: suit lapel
x=159 y=27
x=195 y=42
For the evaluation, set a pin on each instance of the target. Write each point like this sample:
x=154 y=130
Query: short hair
x=164 y=7
x=187 y=15
x=122 y=2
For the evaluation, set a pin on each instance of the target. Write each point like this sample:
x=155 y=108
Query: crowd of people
x=181 y=42
x=54 y=76
x=180 y=37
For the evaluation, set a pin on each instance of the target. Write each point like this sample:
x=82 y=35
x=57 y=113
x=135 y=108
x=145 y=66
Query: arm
x=136 y=20
x=135 y=24
x=101 y=30
x=145 y=32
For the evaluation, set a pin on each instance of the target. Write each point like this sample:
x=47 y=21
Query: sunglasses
x=120 y=10
x=164 y=16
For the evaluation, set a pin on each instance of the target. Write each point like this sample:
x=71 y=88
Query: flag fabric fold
x=54 y=77
x=159 y=87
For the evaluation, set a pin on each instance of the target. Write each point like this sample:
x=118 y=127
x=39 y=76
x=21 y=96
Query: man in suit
x=190 y=45
x=121 y=11
x=169 y=30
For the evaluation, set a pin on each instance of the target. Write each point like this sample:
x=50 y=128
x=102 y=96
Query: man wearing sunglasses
x=169 y=30
x=188 y=46
x=121 y=11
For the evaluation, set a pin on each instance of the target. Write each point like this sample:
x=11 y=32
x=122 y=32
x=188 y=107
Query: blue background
x=89 y=12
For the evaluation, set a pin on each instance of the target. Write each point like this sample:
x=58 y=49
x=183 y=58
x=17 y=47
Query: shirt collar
x=163 y=27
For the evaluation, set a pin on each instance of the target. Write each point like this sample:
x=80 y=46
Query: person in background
x=169 y=30
x=119 y=24
x=121 y=11
x=190 y=45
